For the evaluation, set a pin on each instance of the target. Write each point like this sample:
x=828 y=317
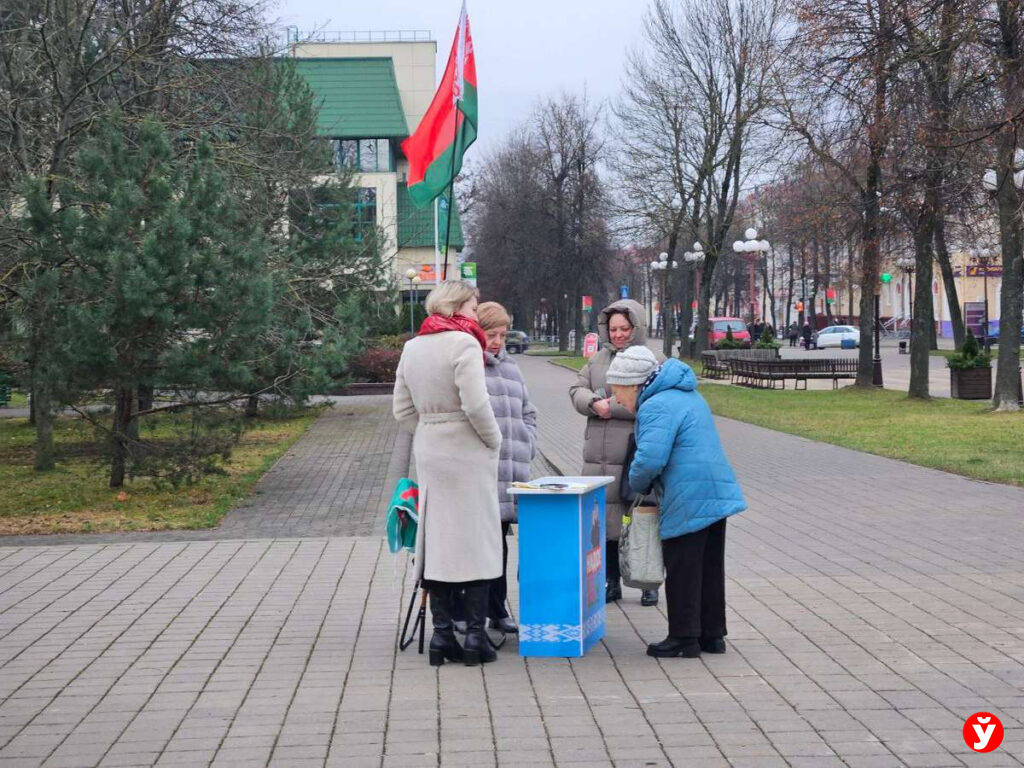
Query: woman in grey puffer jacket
x=517 y=420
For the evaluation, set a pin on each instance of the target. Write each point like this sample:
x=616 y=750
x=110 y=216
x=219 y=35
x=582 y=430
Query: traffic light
x=886 y=278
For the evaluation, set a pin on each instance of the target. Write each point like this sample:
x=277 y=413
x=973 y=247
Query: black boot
x=670 y=647
x=613 y=579
x=478 y=647
x=443 y=644
x=649 y=597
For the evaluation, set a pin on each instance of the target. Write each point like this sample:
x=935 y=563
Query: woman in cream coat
x=441 y=395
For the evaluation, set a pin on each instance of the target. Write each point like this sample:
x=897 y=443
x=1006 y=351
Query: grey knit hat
x=632 y=366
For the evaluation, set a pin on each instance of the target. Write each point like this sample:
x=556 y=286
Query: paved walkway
x=873 y=606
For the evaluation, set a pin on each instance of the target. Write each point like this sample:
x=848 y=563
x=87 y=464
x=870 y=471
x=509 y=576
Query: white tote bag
x=640 y=560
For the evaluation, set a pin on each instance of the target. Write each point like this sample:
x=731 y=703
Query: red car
x=718 y=327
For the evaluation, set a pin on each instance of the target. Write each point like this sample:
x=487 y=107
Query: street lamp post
x=751 y=250
x=907 y=266
x=694 y=258
x=414 y=283
x=661 y=266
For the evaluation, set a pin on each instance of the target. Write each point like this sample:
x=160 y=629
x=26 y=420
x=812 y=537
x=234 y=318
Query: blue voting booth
x=561 y=565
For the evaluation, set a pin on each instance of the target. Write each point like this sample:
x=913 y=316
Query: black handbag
x=626 y=492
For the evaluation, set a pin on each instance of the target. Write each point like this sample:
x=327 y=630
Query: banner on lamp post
x=467 y=271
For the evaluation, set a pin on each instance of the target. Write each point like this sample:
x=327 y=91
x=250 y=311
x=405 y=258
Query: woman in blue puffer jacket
x=678 y=453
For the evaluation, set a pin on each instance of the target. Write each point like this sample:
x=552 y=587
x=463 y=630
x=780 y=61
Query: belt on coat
x=443 y=417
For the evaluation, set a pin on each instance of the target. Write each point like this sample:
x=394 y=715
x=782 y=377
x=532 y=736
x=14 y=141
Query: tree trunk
x=123 y=418
x=577 y=344
x=789 y=287
x=145 y=397
x=42 y=403
x=922 y=321
x=563 y=323
x=956 y=316
x=1011 y=307
x=252 y=406
x=686 y=320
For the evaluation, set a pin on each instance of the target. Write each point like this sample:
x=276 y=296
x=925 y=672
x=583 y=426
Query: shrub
x=767 y=340
x=728 y=342
x=393 y=341
x=969 y=356
x=375 y=365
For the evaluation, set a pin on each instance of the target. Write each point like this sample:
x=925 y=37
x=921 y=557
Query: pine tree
x=169 y=284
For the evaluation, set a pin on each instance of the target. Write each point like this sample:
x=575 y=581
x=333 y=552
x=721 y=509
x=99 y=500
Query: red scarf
x=440 y=324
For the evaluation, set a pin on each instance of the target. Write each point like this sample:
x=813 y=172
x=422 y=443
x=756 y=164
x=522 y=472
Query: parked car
x=834 y=336
x=516 y=342
x=718 y=327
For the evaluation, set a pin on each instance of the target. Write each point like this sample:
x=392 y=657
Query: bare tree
x=845 y=62
x=692 y=104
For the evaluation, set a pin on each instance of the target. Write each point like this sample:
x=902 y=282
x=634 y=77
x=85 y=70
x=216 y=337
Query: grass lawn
x=18 y=400
x=569 y=362
x=958 y=436
x=75 y=497
x=543 y=352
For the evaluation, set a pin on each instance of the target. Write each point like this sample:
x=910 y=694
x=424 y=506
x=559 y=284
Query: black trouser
x=792 y=341
x=695 y=582
x=611 y=566
x=498 y=587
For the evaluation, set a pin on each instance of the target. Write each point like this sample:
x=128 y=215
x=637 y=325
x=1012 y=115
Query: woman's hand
x=602 y=408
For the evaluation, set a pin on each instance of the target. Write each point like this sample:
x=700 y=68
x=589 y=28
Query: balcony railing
x=359 y=36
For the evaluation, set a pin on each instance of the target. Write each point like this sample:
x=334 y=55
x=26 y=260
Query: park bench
x=772 y=374
x=715 y=363
x=711 y=368
x=834 y=368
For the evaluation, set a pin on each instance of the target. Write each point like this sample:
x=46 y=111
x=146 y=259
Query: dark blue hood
x=675 y=374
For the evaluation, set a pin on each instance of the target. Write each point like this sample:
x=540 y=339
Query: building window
x=315 y=211
x=364 y=155
x=365 y=211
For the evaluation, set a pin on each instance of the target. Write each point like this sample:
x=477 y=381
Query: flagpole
x=451 y=197
x=460 y=54
x=437 y=249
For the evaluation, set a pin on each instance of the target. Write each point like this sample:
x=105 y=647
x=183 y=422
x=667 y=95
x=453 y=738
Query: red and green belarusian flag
x=435 y=150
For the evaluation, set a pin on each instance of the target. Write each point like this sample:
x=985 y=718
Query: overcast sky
x=525 y=49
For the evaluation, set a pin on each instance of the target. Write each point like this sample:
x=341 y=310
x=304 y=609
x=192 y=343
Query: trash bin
x=561 y=565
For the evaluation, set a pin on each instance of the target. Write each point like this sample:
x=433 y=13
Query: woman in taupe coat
x=609 y=425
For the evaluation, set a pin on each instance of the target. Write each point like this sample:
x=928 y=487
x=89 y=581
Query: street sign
x=467 y=271
x=623 y=291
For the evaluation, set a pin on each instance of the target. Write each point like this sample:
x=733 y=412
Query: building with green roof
x=372 y=90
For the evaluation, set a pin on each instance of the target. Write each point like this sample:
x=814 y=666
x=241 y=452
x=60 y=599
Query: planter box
x=380 y=388
x=971 y=383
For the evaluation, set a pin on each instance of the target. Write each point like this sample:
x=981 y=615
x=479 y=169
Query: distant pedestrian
x=441 y=396
x=679 y=455
x=517 y=419
x=794 y=333
x=609 y=425
x=807 y=333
